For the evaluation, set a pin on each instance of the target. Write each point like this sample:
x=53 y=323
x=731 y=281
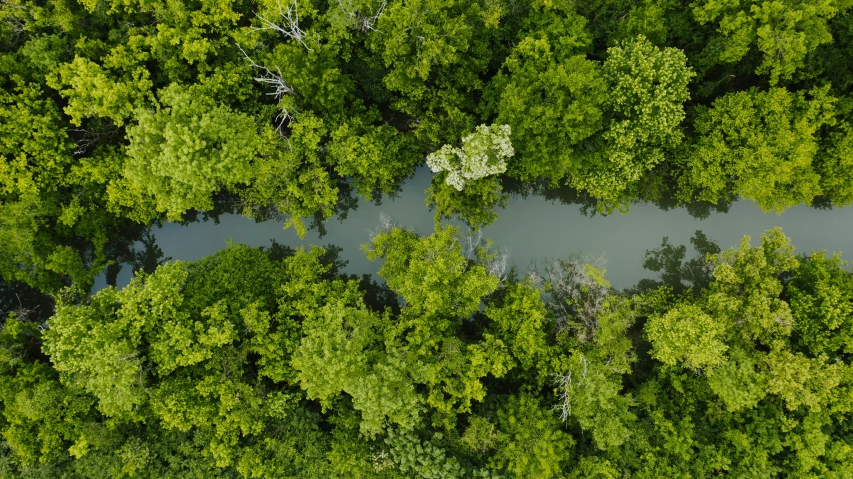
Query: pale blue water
x=530 y=229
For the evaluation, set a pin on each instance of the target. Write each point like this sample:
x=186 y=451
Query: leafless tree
x=288 y=24
x=386 y=224
x=472 y=242
x=381 y=460
x=280 y=89
x=362 y=21
x=495 y=261
x=575 y=296
x=496 y=265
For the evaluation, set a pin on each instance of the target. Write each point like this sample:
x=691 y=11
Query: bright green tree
x=785 y=32
x=551 y=95
x=760 y=145
x=647 y=89
x=187 y=150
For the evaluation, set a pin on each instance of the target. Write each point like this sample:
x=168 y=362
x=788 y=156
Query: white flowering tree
x=483 y=153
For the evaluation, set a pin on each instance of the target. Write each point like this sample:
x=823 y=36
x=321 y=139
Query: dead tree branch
x=363 y=21
x=280 y=89
x=289 y=26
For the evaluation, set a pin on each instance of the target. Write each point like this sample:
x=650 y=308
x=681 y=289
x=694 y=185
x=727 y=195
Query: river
x=530 y=229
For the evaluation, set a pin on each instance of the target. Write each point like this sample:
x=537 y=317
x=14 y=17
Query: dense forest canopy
x=268 y=363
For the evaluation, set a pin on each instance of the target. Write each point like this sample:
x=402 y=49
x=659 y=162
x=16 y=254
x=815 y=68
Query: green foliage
x=432 y=51
x=430 y=273
x=531 y=443
x=290 y=176
x=552 y=98
x=759 y=145
x=821 y=299
x=553 y=102
x=116 y=115
x=475 y=205
x=52 y=225
x=342 y=350
x=421 y=459
x=687 y=336
x=784 y=32
x=833 y=162
x=41 y=418
x=521 y=322
x=187 y=150
x=377 y=158
x=647 y=88
x=439 y=288
x=35 y=151
x=255 y=364
x=138 y=351
x=91 y=93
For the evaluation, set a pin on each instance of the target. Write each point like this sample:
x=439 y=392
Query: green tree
x=433 y=51
x=52 y=221
x=760 y=145
x=187 y=150
x=466 y=183
x=784 y=32
x=377 y=158
x=647 y=89
x=551 y=96
x=821 y=299
x=290 y=177
x=92 y=93
x=531 y=443
x=344 y=350
x=440 y=288
x=834 y=157
x=203 y=348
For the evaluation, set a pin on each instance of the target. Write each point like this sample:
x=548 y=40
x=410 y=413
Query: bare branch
x=15 y=6
x=290 y=24
x=89 y=138
x=496 y=266
x=280 y=88
x=472 y=242
x=566 y=384
x=16 y=25
x=386 y=224
x=575 y=297
x=363 y=21
x=564 y=406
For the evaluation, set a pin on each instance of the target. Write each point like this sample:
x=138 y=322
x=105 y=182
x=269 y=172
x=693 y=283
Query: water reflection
x=673 y=271
x=660 y=197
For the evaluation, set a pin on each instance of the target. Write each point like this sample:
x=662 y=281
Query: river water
x=530 y=229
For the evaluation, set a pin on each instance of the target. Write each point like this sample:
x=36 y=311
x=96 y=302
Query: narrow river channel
x=530 y=229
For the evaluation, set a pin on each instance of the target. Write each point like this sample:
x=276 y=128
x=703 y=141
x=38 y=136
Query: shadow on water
x=673 y=271
x=662 y=198
x=230 y=204
x=136 y=249
x=143 y=254
x=139 y=251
